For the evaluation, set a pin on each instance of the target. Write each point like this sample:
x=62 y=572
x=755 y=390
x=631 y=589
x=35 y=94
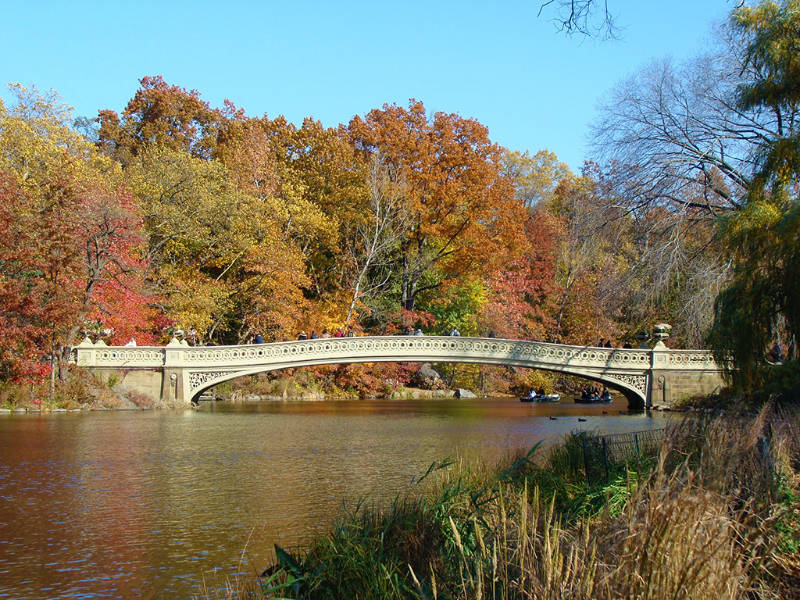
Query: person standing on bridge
x=455 y=332
x=777 y=352
x=259 y=339
x=302 y=336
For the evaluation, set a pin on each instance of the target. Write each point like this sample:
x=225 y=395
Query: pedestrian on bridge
x=777 y=352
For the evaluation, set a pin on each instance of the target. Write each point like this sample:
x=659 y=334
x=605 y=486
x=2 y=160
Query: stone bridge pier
x=176 y=374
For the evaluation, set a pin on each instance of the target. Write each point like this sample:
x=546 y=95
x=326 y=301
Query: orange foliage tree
x=159 y=115
x=462 y=216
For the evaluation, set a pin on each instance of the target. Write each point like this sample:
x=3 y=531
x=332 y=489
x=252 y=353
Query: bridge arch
x=206 y=380
x=623 y=369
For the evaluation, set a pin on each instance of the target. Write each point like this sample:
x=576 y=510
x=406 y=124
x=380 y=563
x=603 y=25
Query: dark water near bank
x=147 y=504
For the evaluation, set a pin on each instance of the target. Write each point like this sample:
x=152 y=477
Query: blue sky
x=500 y=63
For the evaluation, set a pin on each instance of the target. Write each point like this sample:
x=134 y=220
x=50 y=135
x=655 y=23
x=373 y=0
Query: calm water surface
x=148 y=504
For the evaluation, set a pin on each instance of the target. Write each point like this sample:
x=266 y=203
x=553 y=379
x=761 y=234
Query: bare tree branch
x=373 y=239
x=585 y=17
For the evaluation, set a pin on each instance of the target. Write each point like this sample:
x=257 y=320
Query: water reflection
x=120 y=505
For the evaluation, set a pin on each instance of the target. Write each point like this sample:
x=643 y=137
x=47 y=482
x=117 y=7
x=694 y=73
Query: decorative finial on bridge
x=661 y=333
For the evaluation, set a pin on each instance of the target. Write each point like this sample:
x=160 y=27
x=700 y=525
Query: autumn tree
x=107 y=231
x=461 y=212
x=298 y=174
x=522 y=296
x=159 y=114
x=246 y=208
x=584 y=270
x=32 y=305
x=73 y=242
x=217 y=253
x=535 y=178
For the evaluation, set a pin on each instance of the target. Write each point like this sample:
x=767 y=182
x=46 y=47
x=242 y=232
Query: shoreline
x=125 y=404
x=200 y=407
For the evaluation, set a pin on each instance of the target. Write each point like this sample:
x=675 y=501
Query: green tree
x=762 y=303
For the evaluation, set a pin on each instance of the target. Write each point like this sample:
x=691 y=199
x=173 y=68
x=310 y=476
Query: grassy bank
x=80 y=390
x=711 y=511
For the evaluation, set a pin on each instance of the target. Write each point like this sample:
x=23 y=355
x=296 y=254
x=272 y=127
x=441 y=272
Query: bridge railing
x=425 y=347
x=684 y=359
x=429 y=348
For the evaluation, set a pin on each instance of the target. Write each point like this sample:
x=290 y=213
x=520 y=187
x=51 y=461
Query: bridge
x=176 y=374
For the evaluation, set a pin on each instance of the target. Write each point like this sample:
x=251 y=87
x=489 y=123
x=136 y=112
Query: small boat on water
x=541 y=398
x=594 y=399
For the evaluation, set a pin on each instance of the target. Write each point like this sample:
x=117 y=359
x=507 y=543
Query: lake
x=149 y=503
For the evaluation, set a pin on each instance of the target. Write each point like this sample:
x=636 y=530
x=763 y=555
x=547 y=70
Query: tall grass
x=714 y=512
